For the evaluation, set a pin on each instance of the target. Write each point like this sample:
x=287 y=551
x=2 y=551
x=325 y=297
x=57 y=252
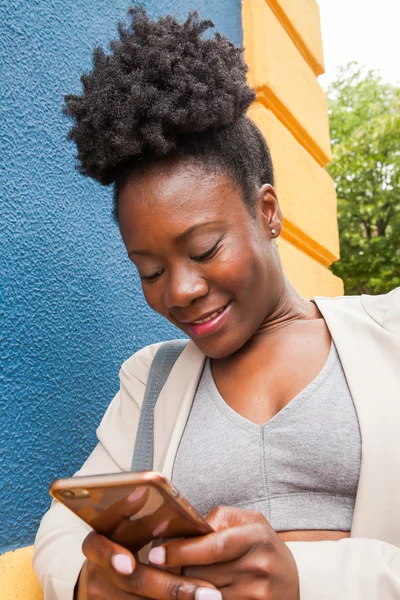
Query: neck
x=289 y=308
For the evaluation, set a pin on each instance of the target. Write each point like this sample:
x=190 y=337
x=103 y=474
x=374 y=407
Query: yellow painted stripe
x=306 y=193
x=307 y=275
x=316 y=63
x=270 y=100
x=284 y=81
x=306 y=244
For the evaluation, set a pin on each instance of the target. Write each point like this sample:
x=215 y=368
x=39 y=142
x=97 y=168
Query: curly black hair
x=165 y=91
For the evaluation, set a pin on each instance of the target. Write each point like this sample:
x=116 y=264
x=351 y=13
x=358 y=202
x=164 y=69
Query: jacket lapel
x=370 y=356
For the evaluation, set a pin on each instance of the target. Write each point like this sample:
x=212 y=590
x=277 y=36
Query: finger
x=102 y=589
x=222 y=517
x=222 y=546
x=108 y=555
x=137 y=533
x=162 y=585
x=148 y=527
x=241 y=590
x=109 y=520
x=220 y=574
x=141 y=580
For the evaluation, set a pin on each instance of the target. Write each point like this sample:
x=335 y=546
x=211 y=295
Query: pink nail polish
x=208 y=594
x=161 y=528
x=122 y=564
x=136 y=495
x=157 y=555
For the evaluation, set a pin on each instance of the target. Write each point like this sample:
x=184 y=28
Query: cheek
x=241 y=273
x=153 y=295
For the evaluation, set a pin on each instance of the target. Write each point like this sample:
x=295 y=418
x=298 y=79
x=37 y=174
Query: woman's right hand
x=111 y=571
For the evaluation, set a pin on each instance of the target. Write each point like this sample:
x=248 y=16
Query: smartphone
x=131 y=509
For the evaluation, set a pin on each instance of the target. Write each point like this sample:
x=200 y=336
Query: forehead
x=175 y=196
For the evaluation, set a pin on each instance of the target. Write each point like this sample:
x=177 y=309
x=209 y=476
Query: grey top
x=300 y=469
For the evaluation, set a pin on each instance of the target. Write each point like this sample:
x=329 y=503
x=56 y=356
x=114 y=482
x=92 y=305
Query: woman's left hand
x=244 y=558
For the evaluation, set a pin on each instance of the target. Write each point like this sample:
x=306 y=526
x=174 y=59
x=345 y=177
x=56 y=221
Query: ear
x=270 y=210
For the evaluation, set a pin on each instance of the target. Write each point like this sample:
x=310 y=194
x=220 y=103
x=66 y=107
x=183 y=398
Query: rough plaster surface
x=71 y=307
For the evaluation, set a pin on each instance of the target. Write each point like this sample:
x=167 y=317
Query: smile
x=215 y=314
x=211 y=323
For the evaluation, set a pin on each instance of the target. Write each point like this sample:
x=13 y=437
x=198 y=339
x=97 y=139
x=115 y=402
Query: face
x=205 y=263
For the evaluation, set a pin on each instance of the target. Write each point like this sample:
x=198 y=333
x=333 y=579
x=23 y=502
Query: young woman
x=282 y=410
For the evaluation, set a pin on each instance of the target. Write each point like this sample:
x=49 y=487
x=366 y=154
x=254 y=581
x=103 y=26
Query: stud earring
x=273 y=231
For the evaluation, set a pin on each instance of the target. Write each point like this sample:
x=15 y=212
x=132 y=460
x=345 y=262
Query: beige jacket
x=366 y=331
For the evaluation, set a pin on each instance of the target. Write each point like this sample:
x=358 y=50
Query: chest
x=261 y=381
x=307 y=456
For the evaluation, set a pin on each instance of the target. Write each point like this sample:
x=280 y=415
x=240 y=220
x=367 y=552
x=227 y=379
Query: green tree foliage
x=365 y=133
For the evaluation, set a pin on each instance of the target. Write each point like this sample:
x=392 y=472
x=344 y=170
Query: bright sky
x=367 y=31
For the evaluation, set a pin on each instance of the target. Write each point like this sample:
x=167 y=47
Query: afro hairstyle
x=166 y=91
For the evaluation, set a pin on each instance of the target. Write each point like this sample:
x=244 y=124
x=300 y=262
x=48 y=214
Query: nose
x=184 y=286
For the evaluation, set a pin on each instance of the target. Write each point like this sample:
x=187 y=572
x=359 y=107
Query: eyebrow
x=177 y=239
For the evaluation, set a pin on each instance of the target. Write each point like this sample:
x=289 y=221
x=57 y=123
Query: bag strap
x=164 y=360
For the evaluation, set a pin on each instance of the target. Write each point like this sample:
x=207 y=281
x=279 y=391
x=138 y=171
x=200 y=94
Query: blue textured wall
x=71 y=307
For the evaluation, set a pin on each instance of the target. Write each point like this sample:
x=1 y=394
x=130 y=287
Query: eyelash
x=207 y=255
x=203 y=257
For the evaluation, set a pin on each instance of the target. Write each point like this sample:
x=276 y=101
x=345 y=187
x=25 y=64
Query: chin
x=219 y=348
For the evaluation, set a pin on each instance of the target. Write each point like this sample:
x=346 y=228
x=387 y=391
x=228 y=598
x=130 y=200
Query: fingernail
x=161 y=528
x=157 y=555
x=122 y=564
x=207 y=594
x=138 y=493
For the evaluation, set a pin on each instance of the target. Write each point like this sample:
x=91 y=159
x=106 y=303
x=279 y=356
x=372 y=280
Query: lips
x=204 y=318
x=210 y=323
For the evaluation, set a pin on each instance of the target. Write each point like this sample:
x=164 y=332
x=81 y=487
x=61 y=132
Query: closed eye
x=152 y=277
x=201 y=258
x=207 y=255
